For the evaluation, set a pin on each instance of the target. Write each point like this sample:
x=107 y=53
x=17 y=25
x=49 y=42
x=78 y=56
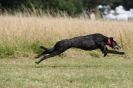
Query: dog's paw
x=105 y=55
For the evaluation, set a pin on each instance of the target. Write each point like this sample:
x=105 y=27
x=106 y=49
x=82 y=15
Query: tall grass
x=22 y=36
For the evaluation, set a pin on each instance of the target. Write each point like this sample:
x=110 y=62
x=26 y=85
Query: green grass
x=78 y=71
x=19 y=48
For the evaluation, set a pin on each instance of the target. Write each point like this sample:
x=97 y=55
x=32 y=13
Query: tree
x=72 y=7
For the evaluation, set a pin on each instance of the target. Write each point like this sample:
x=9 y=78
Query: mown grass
x=78 y=71
x=22 y=36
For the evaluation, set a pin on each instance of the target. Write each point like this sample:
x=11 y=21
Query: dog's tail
x=48 y=50
x=42 y=47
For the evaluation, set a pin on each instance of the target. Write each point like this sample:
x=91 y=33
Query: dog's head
x=113 y=44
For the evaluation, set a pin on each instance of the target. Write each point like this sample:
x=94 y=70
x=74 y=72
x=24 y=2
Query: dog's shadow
x=67 y=66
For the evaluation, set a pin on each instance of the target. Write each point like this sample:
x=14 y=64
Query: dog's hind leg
x=47 y=56
x=47 y=51
x=52 y=53
x=44 y=52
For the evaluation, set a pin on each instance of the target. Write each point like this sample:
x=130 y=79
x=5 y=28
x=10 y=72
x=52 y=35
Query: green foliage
x=19 y=48
x=35 y=47
x=6 y=51
x=71 y=7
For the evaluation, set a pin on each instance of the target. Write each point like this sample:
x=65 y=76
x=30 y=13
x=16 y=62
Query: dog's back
x=87 y=42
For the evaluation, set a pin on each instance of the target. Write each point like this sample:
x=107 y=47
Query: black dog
x=89 y=42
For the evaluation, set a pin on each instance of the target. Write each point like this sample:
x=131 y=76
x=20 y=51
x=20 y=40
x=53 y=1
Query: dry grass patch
x=22 y=36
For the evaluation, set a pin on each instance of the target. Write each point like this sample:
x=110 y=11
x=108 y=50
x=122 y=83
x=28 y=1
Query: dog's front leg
x=116 y=52
x=104 y=49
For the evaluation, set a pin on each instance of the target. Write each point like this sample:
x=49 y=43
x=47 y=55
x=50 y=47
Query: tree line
x=71 y=7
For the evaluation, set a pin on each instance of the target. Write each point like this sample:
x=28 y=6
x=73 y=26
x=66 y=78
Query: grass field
x=21 y=36
x=67 y=72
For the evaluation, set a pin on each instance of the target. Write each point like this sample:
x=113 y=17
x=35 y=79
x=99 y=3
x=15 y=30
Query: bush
x=71 y=7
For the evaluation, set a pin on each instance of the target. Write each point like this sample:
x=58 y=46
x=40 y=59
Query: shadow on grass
x=67 y=66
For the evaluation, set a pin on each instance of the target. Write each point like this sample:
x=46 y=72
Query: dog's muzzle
x=117 y=47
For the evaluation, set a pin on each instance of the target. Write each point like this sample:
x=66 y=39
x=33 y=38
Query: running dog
x=89 y=42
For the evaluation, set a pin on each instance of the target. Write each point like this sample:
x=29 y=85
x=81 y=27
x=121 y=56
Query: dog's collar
x=109 y=42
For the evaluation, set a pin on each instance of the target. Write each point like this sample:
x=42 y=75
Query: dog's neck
x=109 y=42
